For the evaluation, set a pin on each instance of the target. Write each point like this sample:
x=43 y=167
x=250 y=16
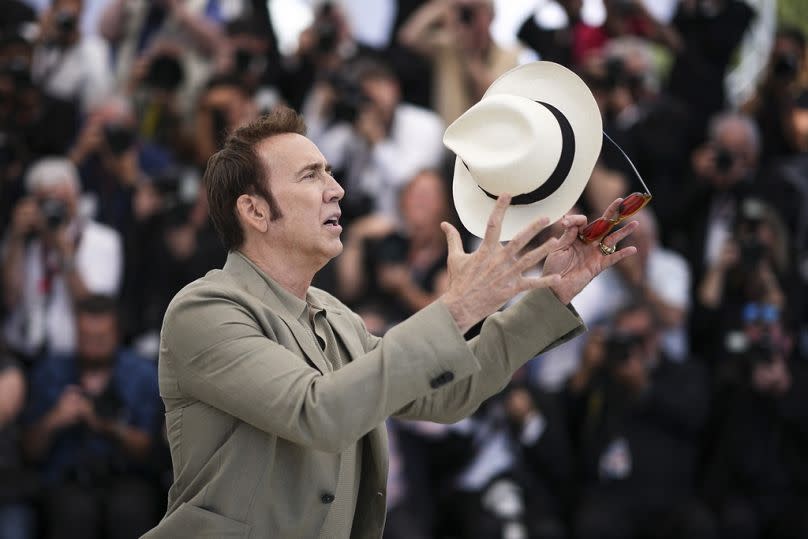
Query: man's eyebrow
x=315 y=166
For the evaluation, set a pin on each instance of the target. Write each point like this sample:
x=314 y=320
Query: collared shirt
x=314 y=318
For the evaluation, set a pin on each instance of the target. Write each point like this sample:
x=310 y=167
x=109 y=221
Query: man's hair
x=238 y=169
x=96 y=305
x=52 y=171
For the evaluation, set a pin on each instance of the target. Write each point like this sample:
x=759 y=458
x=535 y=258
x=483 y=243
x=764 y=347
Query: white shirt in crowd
x=46 y=317
x=81 y=72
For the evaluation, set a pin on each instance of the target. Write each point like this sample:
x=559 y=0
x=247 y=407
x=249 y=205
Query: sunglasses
x=597 y=229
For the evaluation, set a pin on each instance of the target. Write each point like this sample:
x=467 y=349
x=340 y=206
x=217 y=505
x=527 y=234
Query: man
x=53 y=258
x=377 y=142
x=92 y=421
x=66 y=63
x=635 y=418
x=456 y=36
x=276 y=394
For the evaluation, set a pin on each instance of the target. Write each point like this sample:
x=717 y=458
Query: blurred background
x=681 y=413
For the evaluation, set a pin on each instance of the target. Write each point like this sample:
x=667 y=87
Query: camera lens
x=724 y=160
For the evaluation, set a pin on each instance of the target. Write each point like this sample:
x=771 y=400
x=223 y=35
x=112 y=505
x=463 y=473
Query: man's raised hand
x=482 y=281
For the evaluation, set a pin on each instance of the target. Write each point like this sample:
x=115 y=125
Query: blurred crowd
x=681 y=413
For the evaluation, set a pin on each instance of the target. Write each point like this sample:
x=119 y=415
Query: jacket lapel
x=255 y=284
x=345 y=331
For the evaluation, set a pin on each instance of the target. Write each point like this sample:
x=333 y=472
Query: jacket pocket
x=191 y=521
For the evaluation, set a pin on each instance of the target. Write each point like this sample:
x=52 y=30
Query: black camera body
x=119 y=137
x=54 y=211
x=760 y=351
x=349 y=98
x=785 y=66
x=724 y=160
x=618 y=347
x=392 y=250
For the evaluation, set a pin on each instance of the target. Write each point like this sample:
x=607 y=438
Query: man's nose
x=334 y=191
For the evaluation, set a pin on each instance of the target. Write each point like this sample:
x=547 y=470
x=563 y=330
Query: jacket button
x=443 y=378
x=327 y=498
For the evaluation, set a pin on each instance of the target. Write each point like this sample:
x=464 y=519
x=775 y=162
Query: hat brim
x=560 y=87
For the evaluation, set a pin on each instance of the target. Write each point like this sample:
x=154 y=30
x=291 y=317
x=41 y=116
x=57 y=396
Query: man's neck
x=284 y=270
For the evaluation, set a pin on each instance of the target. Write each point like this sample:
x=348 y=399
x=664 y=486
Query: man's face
x=97 y=339
x=734 y=157
x=423 y=204
x=308 y=197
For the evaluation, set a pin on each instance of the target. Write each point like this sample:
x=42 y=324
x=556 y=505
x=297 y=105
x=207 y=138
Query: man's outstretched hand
x=577 y=262
x=482 y=281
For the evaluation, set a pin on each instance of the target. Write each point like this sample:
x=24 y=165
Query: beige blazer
x=256 y=420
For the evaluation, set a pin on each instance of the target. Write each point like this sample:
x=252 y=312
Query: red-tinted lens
x=596 y=230
x=632 y=204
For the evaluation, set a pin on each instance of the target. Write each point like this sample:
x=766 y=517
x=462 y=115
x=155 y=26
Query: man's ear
x=254 y=212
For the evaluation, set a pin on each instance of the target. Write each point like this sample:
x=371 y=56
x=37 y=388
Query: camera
x=54 y=211
x=760 y=351
x=785 y=66
x=349 y=98
x=724 y=160
x=119 y=137
x=618 y=347
x=326 y=29
x=165 y=73
x=66 y=22
x=108 y=405
x=392 y=250
x=752 y=252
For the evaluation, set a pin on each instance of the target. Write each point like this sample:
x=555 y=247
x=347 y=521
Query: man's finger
x=526 y=234
x=619 y=235
x=573 y=220
x=532 y=283
x=534 y=256
x=494 y=227
x=617 y=256
x=566 y=239
x=453 y=241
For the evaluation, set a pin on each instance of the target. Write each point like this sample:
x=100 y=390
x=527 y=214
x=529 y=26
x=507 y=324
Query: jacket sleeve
x=507 y=340
x=213 y=350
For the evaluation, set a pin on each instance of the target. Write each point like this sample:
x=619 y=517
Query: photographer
x=725 y=170
x=635 y=419
x=753 y=266
x=323 y=48
x=108 y=154
x=91 y=421
x=398 y=270
x=757 y=475
x=67 y=64
x=456 y=35
x=53 y=257
x=709 y=32
x=375 y=142
x=785 y=80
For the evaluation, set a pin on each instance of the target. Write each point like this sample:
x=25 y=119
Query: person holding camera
x=757 y=478
x=635 y=420
x=52 y=258
x=91 y=422
x=785 y=80
x=456 y=35
x=68 y=64
x=374 y=141
x=753 y=267
x=398 y=270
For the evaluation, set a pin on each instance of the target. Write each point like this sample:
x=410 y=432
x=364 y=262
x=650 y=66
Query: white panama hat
x=535 y=134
